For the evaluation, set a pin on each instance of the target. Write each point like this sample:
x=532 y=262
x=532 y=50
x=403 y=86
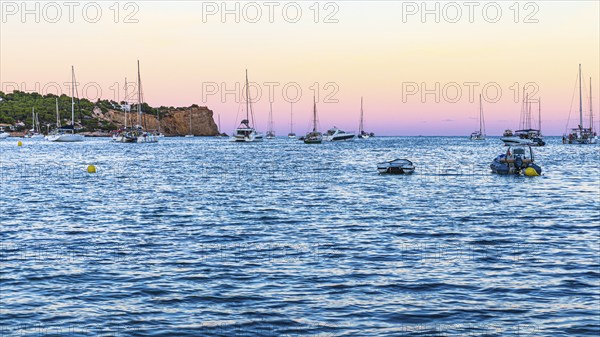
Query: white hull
x=515 y=141
x=247 y=139
x=4 y=135
x=336 y=135
x=587 y=140
x=147 y=139
x=65 y=138
x=339 y=137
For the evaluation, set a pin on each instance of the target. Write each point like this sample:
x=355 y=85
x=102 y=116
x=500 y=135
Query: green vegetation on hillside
x=17 y=106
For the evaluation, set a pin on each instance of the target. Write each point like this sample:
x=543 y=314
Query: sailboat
x=35 y=132
x=361 y=126
x=219 y=133
x=158 y=133
x=479 y=135
x=270 y=132
x=190 y=134
x=67 y=133
x=314 y=137
x=291 y=135
x=245 y=132
x=126 y=108
x=581 y=135
x=527 y=135
x=136 y=134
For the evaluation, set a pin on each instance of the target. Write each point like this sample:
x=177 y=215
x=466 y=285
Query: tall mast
x=591 y=113
x=126 y=104
x=73 y=98
x=139 y=95
x=158 y=118
x=247 y=99
x=526 y=113
x=270 y=117
x=480 y=116
x=314 y=114
x=33 y=119
x=540 y=115
x=580 y=101
x=190 y=121
x=361 y=126
x=57 y=115
x=523 y=110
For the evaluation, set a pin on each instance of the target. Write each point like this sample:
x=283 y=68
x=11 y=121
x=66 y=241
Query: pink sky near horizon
x=370 y=52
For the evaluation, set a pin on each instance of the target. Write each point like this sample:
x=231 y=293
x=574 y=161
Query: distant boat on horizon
x=314 y=136
x=479 y=135
x=527 y=135
x=190 y=134
x=581 y=135
x=270 y=132
x=245 y=132
x=291 y=135
x=137 y=133
x=361 y=126
x=66 y=134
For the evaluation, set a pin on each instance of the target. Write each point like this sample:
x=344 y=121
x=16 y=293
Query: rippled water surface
x=203 y=237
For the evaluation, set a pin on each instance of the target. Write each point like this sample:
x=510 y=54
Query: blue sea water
x=203 y=237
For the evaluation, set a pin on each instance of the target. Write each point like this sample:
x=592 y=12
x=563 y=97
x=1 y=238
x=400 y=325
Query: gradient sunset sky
x=371 y=51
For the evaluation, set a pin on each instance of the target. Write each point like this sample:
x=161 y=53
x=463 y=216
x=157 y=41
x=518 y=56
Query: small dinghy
x=396 y=166
x=518 y=160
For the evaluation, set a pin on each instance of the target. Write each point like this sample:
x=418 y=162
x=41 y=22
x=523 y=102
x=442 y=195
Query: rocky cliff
x=172 y=122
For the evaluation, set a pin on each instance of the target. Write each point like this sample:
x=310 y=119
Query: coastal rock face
x=172 y=123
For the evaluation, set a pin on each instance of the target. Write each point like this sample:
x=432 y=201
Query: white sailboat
x=67 y=133
x=219 y=133
x=245 y=132
x=190 y=134
x=159 y=134
x=582 y=135
x=270 y=132
x=137 y=134
x=361 y=126
x=527 y=135
x=314 y=137
x=291 y=135
x=126 y=108
x=479 y=135
x=35 y=133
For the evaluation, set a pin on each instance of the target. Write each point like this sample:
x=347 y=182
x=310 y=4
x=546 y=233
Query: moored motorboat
x=3 y=134
x=336 y=134
x=396 y=166
x=518 y=159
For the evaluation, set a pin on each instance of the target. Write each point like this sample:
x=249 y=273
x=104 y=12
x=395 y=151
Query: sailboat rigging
x=314 y=137
x=581 y=134
x=479 y=135
x=67 y=133
x=291 y=135
x=246 y=132
x=270 y=132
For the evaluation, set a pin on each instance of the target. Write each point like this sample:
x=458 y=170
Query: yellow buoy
x=19 y=143
x=91 y=169
x=531 y=172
